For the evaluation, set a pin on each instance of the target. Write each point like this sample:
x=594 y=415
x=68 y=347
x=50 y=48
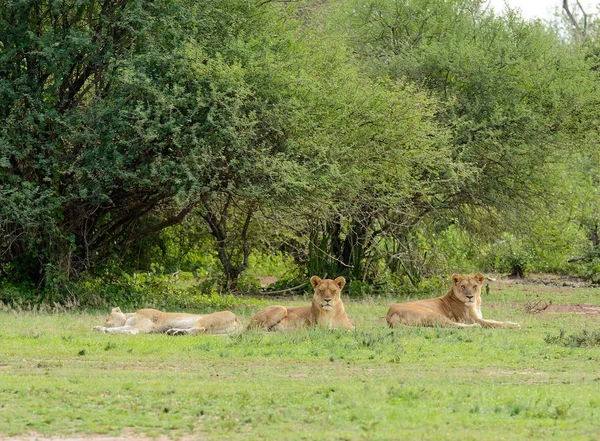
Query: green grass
x=57 y=377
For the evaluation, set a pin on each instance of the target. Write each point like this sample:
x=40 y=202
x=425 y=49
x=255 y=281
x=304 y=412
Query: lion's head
x=327 y=292
x=115 y=319
x=467 y=289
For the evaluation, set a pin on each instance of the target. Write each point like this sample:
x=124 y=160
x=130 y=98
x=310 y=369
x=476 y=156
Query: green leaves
x=337 y=128
x=503 y=82
x=121 y=112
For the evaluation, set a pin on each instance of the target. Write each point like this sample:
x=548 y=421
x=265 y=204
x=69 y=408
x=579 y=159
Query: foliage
x=120 y=124
x=512 y=95
x=500 y=97
x=392 y=142
x=356 y=288
x=588 y=269
x=508 y=255
x=386 y=159
x=139 y=290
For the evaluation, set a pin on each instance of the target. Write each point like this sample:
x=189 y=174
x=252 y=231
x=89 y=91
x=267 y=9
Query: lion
x=172 y=323
x=459 y=308
x=327 y=309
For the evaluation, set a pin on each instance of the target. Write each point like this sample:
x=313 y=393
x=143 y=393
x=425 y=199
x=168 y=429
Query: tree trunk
x=226 y=247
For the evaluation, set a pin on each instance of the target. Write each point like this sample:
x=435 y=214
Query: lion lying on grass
x=327 y=309
x=459 y=308
x=172 y=323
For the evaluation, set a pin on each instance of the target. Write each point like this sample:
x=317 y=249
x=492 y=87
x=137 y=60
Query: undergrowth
x=583 y=338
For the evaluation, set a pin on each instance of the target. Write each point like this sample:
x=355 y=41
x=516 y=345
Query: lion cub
x=327 y=309
x=173 y=323
x=459 y=308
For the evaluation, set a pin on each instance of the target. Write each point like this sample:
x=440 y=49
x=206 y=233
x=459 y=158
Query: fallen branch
x=534 y=307
x=284 y=291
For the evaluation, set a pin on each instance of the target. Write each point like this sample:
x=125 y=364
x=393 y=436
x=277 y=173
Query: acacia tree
x=510 y=93
x=120 y=117
x=377 y=156
x=581 y=171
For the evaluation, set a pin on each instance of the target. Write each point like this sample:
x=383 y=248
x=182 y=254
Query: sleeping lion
x=172 y=323
x=459 y=308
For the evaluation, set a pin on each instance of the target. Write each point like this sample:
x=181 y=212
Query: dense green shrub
x=508 y=255
x=162 y=152
x=130 y=292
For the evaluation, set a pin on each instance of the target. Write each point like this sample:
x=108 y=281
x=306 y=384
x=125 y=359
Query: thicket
x=389 y=141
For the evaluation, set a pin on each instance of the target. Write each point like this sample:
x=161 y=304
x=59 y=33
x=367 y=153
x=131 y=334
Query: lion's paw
x=176 y=331
x=513 y=325
x=99 y=329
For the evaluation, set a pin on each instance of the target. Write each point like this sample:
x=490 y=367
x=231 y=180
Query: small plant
x=358 y=288
x=576 y=340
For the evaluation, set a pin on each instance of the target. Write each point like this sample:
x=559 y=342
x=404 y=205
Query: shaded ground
x=542 y=293
x=548 y=280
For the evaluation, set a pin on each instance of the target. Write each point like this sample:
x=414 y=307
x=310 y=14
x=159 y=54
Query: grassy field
x=57 y=377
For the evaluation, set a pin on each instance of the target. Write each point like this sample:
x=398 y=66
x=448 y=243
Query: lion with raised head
x=460 y=307
x=172 y=323
x=327 y=310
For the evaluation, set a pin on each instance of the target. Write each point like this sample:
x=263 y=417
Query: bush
x=358 y=288
x=19 y=293
x=508 y=255
x=586 y=269
x=130 y=292
x=391 y=284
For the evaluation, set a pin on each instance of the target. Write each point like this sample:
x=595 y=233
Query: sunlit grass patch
x=59 y=377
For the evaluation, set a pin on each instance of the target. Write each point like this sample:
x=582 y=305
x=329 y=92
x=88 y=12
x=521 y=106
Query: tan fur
x=172 y=323
x=459 y=308
x=327 y=310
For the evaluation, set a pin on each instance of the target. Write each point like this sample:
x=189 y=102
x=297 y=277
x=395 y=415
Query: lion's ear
x=479 y=277
x=340 y=282
x=315 y=280
x=456 y=278
x=116 y=310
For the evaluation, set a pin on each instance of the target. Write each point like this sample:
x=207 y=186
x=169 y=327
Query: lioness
x=459 y=308
x=326 y=310
x=172 y=323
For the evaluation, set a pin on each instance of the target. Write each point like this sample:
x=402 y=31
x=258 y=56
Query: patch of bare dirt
x=574 y=308
x=507 y=372
x=526 y=376
x=547 y=280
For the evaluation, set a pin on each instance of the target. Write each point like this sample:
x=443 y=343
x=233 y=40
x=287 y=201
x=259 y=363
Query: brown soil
x=548 y=280
x=574 y=308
